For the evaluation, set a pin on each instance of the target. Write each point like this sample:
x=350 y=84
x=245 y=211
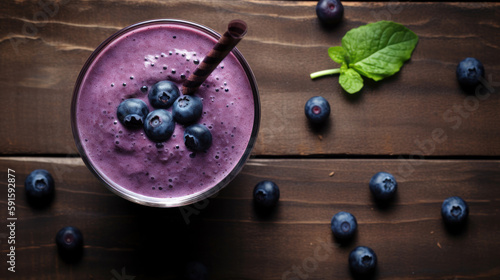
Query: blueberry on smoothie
x=163 y=94
x=69 y=242
x=131 y=112
x=39 y=187
x=344 y=226
x=470 y=71
x=383 y=186
x=329 y=12
x=266 y=194
x=317 y=109
x=197 y=138
x=362 y=261
x=454 y=211
x=187 y=109
x=159 y=125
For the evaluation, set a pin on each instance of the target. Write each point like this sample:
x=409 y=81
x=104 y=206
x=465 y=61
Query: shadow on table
x=266 y=213
x=386 y=205
x=164 y=243
x=322 y=128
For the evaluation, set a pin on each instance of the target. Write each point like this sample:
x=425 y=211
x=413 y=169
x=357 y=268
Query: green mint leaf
x=350 y=80
x=338 y=54
x=378 y=50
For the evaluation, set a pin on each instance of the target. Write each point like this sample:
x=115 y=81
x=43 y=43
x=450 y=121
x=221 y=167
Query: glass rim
x=174 y=201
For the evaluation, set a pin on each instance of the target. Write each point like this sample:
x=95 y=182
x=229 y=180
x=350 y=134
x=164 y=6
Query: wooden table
x=392 y=125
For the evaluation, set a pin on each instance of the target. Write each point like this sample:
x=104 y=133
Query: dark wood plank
x=285 y=43
x=234 y=242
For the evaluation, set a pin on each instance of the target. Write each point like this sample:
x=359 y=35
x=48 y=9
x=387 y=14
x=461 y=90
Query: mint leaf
x=350 y=80
x=376 y=50
x=338 y=54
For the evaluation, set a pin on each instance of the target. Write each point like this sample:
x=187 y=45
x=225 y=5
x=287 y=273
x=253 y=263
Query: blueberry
x=317 y=109
x=454 y=211
x=383 y=186
x=69 y=242
x=196 y=271
x=266 y=194
x=344 y=226
x=187 y=109
x=362 y=261
x=470 y=71
x=163 y=94
x=197 y=138
x=131 y=112
x=329 y=12
x=39 y=187
x=159 y=125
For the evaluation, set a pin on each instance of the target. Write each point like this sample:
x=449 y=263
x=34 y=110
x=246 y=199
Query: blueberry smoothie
x=163 y=173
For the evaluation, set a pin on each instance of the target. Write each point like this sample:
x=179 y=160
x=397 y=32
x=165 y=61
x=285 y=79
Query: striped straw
x=236 y=29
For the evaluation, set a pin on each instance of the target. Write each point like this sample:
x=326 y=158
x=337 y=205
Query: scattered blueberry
x=195 y=271
x=362 y=261
x=454 y=211
x=329 y=12
x=163 y=94
x=266 y=194
x=39 y=186
x=159 y=125
x=383 y=186
x=197 y=138
x=187 y=109
x=131 y=112
x=469 y=72
x=344 y=225
x=69 y=242
x=317 y=109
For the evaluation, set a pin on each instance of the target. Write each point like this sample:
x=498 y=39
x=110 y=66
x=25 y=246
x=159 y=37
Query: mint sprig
x=376 y=50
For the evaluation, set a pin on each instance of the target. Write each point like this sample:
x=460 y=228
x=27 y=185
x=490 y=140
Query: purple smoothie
x=125 y=159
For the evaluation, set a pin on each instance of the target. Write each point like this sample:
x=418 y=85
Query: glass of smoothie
x=163 y=174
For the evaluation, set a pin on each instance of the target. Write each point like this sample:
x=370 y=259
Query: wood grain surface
x=227 y=235
x=42 y=53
